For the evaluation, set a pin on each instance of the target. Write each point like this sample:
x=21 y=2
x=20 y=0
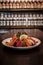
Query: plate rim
x=30 y=47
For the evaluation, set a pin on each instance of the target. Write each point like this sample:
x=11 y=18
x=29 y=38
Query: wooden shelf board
x=22 y=9
x=21 y=27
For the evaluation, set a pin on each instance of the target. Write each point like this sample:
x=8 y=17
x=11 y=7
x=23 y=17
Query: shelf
x=23 y=9
x=21 y=27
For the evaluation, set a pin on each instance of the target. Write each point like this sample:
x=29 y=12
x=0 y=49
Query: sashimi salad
x=22 y=39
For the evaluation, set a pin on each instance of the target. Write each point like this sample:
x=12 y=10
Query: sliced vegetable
x=29 y=42
x=13 y=40
x=19 y=43
x=26 y=42
x=30 y=38
x=23 y=36
x=23 y=43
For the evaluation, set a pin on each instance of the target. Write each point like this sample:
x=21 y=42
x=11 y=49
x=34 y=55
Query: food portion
x=22 y=39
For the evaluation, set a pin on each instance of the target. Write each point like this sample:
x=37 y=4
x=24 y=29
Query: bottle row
x=21 y=23
x=20 y=0
x=20 y=16
x=21 y=4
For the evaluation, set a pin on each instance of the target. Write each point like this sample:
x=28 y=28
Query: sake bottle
x=21 y=4
x=14 y=4
x=17 y=4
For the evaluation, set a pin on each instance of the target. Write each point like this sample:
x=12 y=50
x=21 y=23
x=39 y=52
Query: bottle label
x=27 y=6
x=0 y=7
x=20 y=6
x=7 y=7
x=24 y=6
x=42 y=6
x=3 y=6
x=14 y=7
x=10 y=6
x=17 y=6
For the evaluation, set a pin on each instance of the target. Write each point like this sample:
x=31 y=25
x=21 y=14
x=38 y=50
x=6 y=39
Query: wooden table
x=24 y=57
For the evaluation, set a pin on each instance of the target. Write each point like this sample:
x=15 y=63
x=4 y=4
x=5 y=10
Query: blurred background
x=21 y=14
